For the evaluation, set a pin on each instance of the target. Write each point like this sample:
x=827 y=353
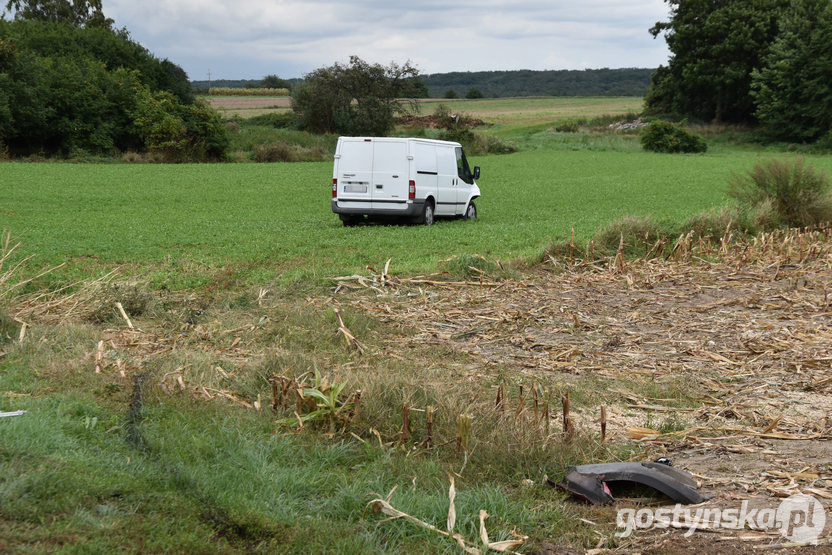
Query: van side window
x=462 y=168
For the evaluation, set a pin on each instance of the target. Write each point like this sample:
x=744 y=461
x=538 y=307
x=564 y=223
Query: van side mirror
x=476 y=172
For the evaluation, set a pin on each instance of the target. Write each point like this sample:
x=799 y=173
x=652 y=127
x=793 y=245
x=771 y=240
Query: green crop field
x=275 y=219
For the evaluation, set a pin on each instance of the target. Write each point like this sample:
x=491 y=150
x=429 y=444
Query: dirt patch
x=726 y=353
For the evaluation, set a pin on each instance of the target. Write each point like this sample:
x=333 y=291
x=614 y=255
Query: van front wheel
x=427 y=214
x=470 y=211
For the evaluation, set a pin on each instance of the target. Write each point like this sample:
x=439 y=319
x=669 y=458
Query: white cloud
x=252 y=38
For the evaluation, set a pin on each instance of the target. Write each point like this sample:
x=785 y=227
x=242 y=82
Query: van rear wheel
x=470 y=211
x=350 y=220
x=427 y=214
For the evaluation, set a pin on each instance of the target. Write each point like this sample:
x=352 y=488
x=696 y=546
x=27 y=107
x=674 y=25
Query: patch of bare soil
x=719 y=358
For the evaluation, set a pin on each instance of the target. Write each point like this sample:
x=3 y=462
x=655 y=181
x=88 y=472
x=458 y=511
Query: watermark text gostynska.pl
x=799 y=518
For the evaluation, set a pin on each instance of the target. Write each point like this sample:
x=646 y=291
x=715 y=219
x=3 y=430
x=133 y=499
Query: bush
x=474 y=93
x=663 y=136
x=488 y=144
x=274 y=152
x=799 y=194
x=450 y=93
x=569 y=126
x=179 y=132
x=275 y=82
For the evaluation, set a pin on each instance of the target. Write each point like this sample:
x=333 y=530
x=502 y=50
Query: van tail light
x=334 y=187
x=411 y=189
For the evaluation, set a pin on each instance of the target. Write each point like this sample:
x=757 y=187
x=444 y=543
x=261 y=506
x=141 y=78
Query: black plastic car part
x=590 y=481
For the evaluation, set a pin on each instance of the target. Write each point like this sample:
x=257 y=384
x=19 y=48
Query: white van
x=417 y=179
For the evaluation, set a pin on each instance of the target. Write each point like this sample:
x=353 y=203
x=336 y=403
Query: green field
x=525 y=111
x=226 y=272
x=273 y=220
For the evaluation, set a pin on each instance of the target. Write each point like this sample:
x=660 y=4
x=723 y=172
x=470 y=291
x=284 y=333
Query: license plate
x=355 y=188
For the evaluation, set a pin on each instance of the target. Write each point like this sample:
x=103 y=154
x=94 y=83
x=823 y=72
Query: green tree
x=473 y=93
x=179 y=132
x=275 y=82
x=81 y=13
x=793 y=90
x=715 y=45
x=450 y=94
x=353 y=99
x=65 y=90
x=420 y=90
x=114 y=48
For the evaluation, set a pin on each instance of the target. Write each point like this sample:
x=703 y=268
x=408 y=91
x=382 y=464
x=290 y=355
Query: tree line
x=766 y=62
x=495 y=84
x=589 y=82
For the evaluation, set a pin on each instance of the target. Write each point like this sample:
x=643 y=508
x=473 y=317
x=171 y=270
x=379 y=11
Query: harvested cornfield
x=716 y=355
x=719 y=356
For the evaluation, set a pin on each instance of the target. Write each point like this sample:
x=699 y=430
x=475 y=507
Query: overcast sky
x=248 y=39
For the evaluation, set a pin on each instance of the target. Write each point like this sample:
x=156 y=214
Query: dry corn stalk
x=463 y=432
x=350 y=338
x=121 y=311
x=384 y=506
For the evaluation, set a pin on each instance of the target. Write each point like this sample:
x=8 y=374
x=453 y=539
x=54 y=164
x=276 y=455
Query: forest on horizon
x=495 y=84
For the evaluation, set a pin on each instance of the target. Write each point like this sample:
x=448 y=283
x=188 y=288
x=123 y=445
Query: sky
x=249 y=39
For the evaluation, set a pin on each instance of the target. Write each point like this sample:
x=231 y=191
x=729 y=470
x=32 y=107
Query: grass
x=99 y=463
x=192 y=225
x=520 y=112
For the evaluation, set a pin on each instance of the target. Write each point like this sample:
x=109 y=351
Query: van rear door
x=354 y=172
x=390 y=174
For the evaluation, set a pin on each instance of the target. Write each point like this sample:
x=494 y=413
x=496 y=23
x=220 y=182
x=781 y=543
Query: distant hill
x=563 y=82
x=588 y=82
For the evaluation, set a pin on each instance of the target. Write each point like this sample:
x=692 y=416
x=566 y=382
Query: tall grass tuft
x=638 y=234
x=277 y=151
x=797 y=193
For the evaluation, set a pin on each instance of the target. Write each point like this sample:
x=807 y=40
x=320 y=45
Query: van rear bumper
x=400 y=209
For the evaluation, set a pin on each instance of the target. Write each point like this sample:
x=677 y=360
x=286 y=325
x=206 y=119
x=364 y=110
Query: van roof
x=403 y=139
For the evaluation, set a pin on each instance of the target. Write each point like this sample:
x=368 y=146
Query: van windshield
x=462 y=168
